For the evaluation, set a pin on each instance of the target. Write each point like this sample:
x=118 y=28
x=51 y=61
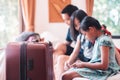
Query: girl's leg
x=69 y=75
x=59 y=67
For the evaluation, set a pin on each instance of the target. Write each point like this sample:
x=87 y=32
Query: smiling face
x=66 y=18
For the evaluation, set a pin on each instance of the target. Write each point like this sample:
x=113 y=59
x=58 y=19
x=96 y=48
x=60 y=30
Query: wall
x=41 y=21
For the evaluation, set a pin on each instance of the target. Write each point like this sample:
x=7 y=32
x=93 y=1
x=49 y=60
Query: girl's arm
x=74 y=54
x=103 y=65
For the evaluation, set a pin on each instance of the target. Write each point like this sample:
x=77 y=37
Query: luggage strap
x=23 y=66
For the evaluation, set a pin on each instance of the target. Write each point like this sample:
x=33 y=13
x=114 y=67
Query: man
x=64 y=48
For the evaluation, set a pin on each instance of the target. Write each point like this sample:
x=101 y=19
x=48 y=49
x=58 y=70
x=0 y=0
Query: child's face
x=66 y=18
x=90 y=34
x=77 y=24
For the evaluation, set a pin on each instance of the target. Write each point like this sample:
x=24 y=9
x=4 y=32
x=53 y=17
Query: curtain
x=89 y=7
x=27 y=14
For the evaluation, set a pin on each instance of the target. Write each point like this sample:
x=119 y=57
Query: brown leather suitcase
x=29 y=61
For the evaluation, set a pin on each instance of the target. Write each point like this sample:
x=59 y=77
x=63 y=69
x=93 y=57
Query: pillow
x=48 y=36
x=24 y=36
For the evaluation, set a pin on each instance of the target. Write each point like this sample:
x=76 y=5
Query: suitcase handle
x=30 y=64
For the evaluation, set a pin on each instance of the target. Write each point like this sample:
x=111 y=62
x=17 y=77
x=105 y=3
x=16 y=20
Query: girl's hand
x=78 y=64
x=66 y=65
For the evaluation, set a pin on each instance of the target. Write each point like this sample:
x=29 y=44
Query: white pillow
x=48 y=36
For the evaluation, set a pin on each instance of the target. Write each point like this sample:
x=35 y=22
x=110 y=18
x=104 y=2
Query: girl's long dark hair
x=79 y=14
x=90 y=22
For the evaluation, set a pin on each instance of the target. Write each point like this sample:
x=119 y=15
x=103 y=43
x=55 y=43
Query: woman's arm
x=75 y=52
x=103 y=65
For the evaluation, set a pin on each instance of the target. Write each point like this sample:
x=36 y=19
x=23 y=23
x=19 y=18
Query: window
x=8 y=21
x=108 y=13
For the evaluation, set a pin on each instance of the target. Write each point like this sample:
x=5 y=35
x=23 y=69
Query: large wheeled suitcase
x=29 y=61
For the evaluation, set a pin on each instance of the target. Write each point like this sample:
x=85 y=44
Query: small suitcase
x=29 y=61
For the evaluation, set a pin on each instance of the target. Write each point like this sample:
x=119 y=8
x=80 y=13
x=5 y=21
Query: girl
x=103 y=62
